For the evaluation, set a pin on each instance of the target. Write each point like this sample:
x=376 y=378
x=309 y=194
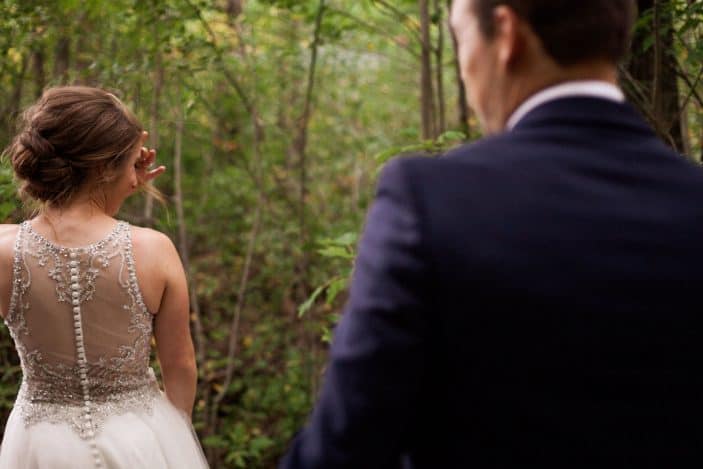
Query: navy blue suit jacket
x=534 y=299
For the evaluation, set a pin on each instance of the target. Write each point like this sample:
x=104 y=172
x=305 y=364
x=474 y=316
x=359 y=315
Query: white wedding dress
x=88 y=398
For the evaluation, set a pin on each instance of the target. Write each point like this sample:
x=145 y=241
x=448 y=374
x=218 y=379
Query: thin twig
x=640 y=96
x=693 y=93
x=248 y=104
x=404 y=17
x=375 y=29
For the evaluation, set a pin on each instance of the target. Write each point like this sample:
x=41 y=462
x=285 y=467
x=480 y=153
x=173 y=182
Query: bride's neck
x=79 y=210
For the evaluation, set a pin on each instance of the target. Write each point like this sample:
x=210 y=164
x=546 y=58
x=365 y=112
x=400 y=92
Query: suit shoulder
x=397 y=170
x=488 y=156
x=487 y=147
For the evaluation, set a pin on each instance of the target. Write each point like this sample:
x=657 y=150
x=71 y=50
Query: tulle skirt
x=162 y=439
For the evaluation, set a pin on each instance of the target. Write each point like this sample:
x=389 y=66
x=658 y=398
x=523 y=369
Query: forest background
x=273 y=118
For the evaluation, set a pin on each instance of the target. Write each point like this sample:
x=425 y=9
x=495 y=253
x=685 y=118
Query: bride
x=82 y=294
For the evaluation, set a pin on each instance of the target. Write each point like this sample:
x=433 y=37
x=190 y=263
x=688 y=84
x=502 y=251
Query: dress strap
x=20 y=283
x=132 y=271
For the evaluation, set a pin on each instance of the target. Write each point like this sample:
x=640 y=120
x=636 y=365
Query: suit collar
x=583 y=88
x=585 y=111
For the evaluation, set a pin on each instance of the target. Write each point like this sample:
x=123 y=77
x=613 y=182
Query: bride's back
x=81 y=327
x=71 y=298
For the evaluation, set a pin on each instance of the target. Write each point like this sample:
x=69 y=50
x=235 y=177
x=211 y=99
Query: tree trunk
x=154 y=118
x=178 y=188
x=300 y=146
x=427 y=111
x=234 y=8
x=654 y=72
x=249 y=103
x=183 y=246
x=62 y=58
x=439 y=63
x=13 y=107
x=38 y=62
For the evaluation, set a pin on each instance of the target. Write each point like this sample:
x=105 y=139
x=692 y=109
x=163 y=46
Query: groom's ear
x=509 y=37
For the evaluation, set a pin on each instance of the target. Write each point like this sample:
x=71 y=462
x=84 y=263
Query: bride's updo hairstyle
x=73 y=139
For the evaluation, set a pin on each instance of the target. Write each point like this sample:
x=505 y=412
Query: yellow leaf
x=14 y=55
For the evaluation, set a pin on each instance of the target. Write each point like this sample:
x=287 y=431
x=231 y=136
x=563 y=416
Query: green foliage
x=343 y=248
x=442 y=143
x=8 y=200
x=263 y=409
x=164 y=57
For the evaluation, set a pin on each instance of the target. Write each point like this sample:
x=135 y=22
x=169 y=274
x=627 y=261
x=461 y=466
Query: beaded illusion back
x=82 y=331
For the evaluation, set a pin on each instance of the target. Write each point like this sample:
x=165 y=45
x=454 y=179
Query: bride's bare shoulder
x=8 y=234
x=151 y=243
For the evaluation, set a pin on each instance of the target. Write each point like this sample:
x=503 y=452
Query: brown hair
x=571 y=31
x=73 y=138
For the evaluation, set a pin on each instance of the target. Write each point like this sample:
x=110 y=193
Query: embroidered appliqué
x=83 y=393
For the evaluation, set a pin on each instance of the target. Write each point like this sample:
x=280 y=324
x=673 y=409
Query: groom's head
x=510 y=49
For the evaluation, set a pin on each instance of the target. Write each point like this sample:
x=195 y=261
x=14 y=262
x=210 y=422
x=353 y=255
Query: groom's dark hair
x=571 y=31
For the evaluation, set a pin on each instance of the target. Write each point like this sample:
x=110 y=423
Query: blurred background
x=273 y=118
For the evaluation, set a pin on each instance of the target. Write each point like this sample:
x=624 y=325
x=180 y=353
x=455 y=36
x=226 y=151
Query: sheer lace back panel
x=82 y=331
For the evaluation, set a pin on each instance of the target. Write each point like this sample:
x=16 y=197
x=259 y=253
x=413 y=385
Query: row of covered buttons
x=82 y=359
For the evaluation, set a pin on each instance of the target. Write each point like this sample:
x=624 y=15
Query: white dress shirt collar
x=592 y=88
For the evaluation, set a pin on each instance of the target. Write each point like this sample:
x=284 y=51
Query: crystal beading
x=93 y=388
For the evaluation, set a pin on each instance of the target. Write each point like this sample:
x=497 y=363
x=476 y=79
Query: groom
x=534 y=299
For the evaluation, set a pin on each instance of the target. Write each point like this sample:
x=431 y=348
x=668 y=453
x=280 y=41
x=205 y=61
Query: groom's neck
x=540 y=76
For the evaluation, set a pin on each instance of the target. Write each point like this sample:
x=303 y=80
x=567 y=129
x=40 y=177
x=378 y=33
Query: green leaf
x=347 y=239
x=451 y=136
x=336 y=286
x=305 y=307
x=335 y=252
x=260 y=444
x=386 y=155
x=215 y=441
